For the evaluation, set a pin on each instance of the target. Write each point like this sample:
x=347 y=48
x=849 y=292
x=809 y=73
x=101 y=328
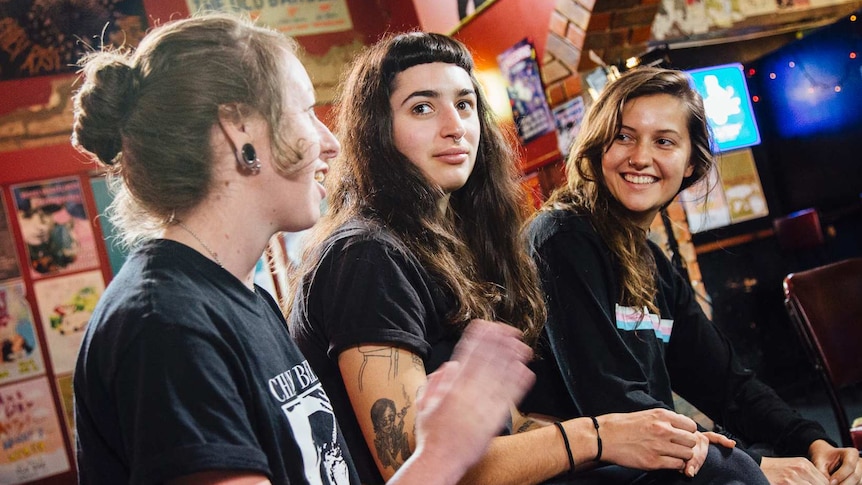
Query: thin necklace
x=212 y=253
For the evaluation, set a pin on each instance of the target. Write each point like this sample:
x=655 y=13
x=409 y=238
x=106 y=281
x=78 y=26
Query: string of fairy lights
x=818 y=82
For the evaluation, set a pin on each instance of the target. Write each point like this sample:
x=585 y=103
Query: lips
x=453 y=156
x=639 y=179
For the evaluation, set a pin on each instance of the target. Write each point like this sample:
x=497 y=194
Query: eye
x=667 y=142
x=421 y=109
x=623 y=138
x=465 y=105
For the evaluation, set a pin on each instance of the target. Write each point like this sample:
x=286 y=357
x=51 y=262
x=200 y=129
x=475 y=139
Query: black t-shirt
x=367 y=289
x=597 y=358
x=184 y=369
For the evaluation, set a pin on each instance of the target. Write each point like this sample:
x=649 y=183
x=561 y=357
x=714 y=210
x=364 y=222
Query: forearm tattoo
x=390 y=439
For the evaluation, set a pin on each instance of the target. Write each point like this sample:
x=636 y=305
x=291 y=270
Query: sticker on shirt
x=309 y=411
x=630 y=319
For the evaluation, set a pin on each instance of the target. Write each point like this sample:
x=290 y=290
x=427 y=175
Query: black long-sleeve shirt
x=596 y=357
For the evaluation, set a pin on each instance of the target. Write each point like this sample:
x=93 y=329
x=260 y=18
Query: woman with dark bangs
x=421 y=237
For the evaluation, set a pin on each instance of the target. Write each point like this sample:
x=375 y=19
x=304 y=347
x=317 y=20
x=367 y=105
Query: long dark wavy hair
x=474 y=250
x=587 y=193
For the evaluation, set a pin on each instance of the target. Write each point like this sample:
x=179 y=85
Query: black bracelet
x=559 y=426
x=598 y=439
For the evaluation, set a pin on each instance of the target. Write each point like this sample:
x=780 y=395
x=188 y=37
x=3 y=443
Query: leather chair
x=825 y=305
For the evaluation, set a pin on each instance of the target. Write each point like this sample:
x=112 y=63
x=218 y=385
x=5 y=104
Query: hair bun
x=104 y=104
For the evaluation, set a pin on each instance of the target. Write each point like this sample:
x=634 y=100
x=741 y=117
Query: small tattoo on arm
x=390 y=440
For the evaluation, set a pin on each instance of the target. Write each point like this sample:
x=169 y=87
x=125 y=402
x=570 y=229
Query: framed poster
x=40 y=37
x=447 y=16
x=65 y=304
x=8 y=255
x=20 y=354
x=293 y=18
x=30 y=431
x=55 y=227
x=67 y=400
x=530 y=109
x=568 y=118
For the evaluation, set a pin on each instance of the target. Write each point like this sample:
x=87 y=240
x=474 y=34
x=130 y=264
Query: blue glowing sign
x=728 y=105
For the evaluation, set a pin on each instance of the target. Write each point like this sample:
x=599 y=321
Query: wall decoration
x=55 y=226
x=741 y=184
x=293 y=18
x=66 y=392
x=31 y=440
x=530 y=109
x=447 y=16
x=8 y=255
x=20 y=354
x=102 y=196
x=736 y=195
x=65 y=304
x=48 y=37
x=568 y=117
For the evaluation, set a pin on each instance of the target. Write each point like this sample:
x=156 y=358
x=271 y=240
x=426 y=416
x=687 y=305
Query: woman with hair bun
x=187 y=373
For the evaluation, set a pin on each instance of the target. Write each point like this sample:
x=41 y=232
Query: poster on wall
x=8 y=255
x=55 y=227
x=66 y=392
x=65 y=304
x=21 y=354
x=30 y=433
x=568 y=118
x=293 y=18
x=530 y=109
x=447 y=16
x=741 y=184
x=39 y=37
x=704 y=204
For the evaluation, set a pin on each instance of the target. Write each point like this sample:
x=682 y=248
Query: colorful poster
x=21 y=354
x=568 y=117
x=32 y=441
x=705 y=205
x=66 y=392
x=742 y=189
x=55 y=227
x=530 y=109
x=293 y=18
x=65 y=304
x=8 y=256
x=39 y=37
x=447 y=16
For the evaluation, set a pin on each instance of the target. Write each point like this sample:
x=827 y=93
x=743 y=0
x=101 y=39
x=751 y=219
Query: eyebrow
x=431 y=93
x=662 y=131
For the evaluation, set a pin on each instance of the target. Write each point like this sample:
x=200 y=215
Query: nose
x=453 y=124
x=329 y=146
x=640 y=156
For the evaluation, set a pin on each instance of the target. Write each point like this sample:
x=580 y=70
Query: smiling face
x=315 y=145
x=649 y=157
x=435 y=123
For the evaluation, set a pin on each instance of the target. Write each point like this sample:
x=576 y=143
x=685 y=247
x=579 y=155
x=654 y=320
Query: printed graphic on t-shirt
x=630 y=319
x=309 y=412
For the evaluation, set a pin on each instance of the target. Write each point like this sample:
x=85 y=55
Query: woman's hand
x=649 y=440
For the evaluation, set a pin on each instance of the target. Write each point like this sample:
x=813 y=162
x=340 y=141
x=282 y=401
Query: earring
x=247 y=159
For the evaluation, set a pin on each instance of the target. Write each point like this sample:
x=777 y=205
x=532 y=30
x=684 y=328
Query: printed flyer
x=289 y=16
x=530 y=110
x=21 y=355
x=8 y=256
x=55 y=227
x=65 y=304
x=30 y=433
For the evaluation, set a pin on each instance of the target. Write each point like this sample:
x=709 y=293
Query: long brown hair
x=474 y=250
x=587 y=193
